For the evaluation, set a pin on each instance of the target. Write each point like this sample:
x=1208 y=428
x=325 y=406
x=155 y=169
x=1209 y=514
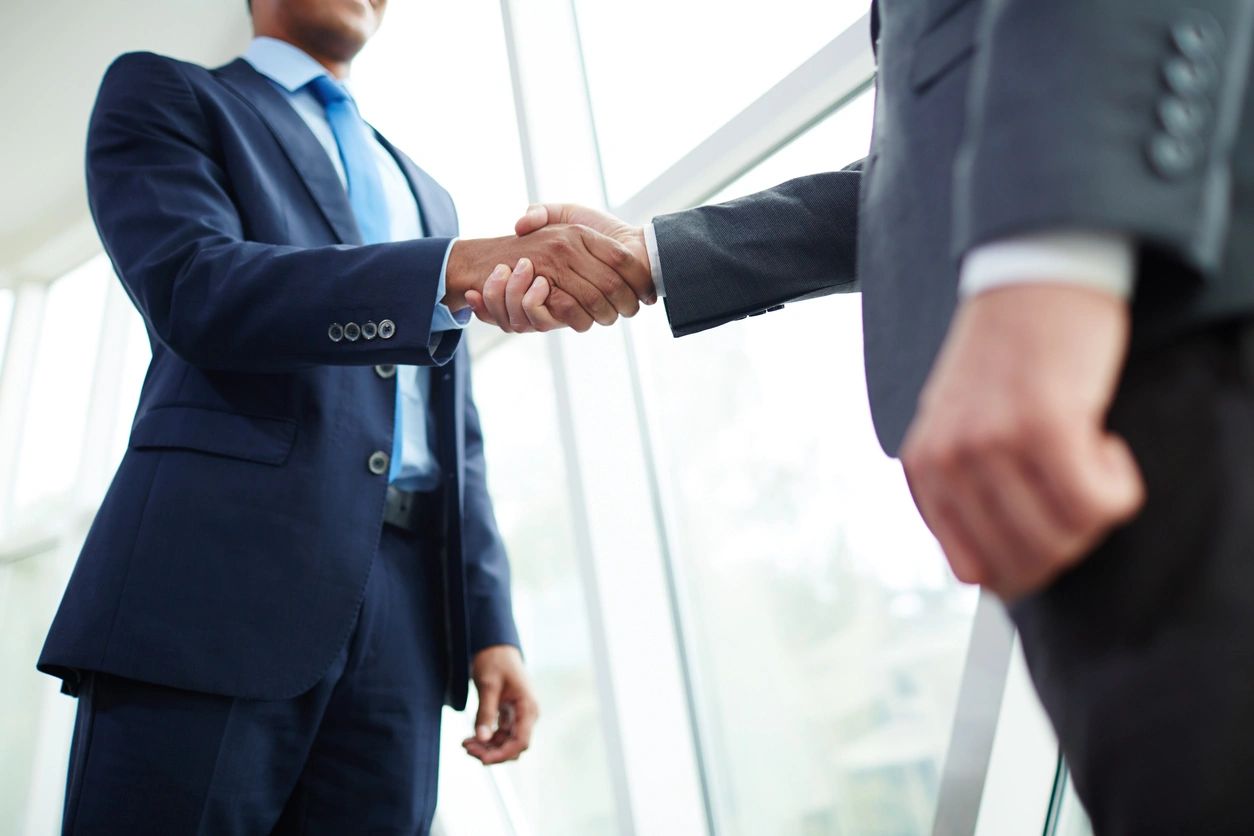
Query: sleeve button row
x=1184 y=111
x=353 y=332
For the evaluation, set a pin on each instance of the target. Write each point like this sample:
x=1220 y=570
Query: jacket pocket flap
x=944 y=46
x=263 y=440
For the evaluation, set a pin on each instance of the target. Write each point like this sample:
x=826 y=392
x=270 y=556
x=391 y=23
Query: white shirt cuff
x=655 y=261
x=442 y=319
x=1097 y=260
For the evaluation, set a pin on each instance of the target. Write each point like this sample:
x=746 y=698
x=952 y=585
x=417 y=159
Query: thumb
x=489 y=706
x=536 y=217
x=1125 y=485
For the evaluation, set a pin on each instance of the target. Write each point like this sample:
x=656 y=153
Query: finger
x=516 y=287
x=636 y=275
x=567 y=310
x=936 y=509
x=569 y=278
x=513 y=746
x=533 y=304
x=1021 y=541
x=540 y=215
x=1124 y=480
x=609 y=271
x=1094 y=482
x=489 y=707
x=494 y=298
x=536 y=217
x=528 y=712
x=475 y=300
x=592 y=277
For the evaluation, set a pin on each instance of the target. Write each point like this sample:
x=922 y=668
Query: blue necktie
x=365 y=195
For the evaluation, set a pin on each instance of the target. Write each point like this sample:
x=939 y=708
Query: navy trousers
x=356 y=754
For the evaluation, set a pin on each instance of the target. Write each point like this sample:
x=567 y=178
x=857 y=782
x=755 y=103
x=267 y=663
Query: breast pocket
x=245 y=437
x=946 y=45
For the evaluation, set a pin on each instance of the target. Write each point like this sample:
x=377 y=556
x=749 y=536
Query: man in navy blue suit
x=297 y=564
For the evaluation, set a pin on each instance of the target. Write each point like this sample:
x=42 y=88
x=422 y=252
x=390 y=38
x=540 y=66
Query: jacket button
x=378 y=463
x=369 y=330
x=1189 y=78
x=1198 y=37
x=386 y=372
x=335 y=332
x=1172 y=156
x=1182 y=117
x=352 y=331
x=387 y=328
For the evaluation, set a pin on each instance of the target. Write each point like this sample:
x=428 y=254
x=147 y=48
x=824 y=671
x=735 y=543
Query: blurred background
x=735 y=620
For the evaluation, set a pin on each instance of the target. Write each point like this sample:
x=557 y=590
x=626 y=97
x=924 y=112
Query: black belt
x=421 y=513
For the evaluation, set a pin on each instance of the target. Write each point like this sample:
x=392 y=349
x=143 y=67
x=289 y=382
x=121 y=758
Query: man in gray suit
x=1059 y=326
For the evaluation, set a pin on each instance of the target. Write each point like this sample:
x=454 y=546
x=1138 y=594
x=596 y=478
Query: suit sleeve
x=795 y=241
x=164 y=208
x=1113 y=116
x=488 y=601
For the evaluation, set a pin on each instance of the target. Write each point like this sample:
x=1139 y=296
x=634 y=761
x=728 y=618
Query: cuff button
x=336 y=332
x=387 y=329
x=1181 y=117
x=352 y=331
x=1200 y=36
x=369 y=330
x=1189 y=78
x=1171 y=156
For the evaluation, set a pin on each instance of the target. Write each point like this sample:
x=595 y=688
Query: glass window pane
x=828 y=630
x=56 y=413
x=840 y=139
x=562 y=783
x=435 y=81
x=6 y=317
x=667 y=73
x=1072 y=820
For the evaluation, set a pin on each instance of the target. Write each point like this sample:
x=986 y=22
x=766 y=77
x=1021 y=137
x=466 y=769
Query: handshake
x=573 y=266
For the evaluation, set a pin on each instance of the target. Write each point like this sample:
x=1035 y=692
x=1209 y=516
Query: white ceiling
x=57 y=52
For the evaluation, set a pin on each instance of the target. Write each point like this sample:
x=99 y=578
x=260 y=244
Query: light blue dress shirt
x=291 y=69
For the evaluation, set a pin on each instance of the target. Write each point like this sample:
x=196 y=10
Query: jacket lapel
x=302 y=148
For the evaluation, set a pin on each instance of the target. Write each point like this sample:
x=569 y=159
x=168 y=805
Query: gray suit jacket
x=996 y=118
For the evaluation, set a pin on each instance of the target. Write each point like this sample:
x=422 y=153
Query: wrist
x=470 y=262
x=635 y=242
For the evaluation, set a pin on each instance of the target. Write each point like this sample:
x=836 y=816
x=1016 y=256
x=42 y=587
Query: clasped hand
x=572 y=267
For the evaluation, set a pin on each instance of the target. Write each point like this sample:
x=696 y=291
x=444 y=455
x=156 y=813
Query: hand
x=501 y=301
x=1008 y=457
x=507 y=707
x=594 y=273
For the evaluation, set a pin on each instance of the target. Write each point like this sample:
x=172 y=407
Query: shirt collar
x=286 y=65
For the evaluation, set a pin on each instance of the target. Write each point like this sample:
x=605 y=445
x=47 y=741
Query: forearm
x=250 y=307
x=736 y=259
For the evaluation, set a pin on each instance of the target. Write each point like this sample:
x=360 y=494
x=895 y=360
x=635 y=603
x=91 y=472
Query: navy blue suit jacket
x=231 y=552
